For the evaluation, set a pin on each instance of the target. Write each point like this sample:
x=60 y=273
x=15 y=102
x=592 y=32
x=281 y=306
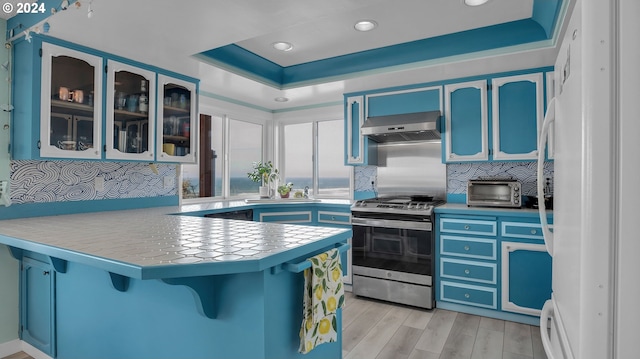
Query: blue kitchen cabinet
x=61 y=106
x=466 y=265
x=37 y=299
x=359 y=150
x=404 y=101
x=466 y=122
x=517 y=113
x=284 y=214
x=526 y=268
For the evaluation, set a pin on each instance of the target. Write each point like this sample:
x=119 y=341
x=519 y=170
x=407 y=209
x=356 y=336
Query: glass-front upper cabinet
x=70 y=113
x=131 y=104
x=176 y=134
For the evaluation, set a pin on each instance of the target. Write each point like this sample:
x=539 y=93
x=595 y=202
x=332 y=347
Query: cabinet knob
x=533 y=231
x=45 y=272
x=466 y=226
x=333 y=218
x=467 y=295
x=466 y=271
x=466 y=248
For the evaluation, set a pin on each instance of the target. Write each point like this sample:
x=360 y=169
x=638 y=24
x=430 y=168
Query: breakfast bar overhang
x=145 y=284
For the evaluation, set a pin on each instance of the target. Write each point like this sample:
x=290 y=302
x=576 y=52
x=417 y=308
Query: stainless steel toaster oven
x=494 y=192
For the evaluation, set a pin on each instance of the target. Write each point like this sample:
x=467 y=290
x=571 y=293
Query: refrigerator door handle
x=545 y=315
x=549 y=118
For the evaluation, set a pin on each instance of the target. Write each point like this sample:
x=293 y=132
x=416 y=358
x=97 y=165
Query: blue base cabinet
x=37 y=302
x=495 y=266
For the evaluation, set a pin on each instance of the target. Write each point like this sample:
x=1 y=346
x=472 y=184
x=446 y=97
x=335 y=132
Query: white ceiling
x=167 y=33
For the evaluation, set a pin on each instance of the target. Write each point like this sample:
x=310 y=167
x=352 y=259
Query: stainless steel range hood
x=417 y=126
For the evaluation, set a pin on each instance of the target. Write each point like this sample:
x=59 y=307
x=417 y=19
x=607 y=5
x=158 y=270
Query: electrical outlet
x=168 y=181
x=98 y=184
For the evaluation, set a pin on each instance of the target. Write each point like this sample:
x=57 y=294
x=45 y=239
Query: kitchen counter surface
x=461 y=208
x=151 y=243
x=221 y=206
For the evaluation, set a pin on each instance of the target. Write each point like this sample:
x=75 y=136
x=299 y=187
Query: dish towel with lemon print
x=323 y=295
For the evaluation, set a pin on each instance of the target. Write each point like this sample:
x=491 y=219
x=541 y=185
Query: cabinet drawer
x=468 y=294
x=334 y=217
x=468 y=247
x=468 y=226
x=522 y=230
x=467 y=270
x=286 y=217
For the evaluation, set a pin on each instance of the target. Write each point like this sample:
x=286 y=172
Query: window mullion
x=314 y=159
x=226 y=188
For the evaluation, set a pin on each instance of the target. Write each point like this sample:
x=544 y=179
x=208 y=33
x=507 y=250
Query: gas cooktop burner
x=400 y=204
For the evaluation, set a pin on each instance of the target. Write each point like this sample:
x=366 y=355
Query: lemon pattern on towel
x=323 y=295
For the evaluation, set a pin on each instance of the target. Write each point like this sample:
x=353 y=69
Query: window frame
x=279 y=141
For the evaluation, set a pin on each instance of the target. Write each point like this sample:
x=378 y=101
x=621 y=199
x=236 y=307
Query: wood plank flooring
x=375 y=329
x=378 y=330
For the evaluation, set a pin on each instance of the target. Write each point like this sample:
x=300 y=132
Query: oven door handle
x=386 y=223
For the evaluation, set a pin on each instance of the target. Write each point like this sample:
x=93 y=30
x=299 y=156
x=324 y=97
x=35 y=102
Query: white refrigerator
x=594 y=121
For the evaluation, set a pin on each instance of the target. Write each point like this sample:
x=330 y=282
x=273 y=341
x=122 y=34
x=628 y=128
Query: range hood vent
x=418 y=126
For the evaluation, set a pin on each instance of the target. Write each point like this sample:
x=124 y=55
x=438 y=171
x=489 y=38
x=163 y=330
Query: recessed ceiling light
x=282 y=46
x=281 y=99
x=365 y=25
x=475 y=2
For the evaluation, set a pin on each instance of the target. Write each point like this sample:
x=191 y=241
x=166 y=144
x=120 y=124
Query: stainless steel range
x=393 y=249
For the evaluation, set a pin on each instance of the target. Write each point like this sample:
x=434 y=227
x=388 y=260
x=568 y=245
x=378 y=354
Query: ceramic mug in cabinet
x=78 y=96
x=63 y=94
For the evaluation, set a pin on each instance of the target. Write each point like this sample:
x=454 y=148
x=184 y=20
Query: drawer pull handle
x=466 y=248
x=466 y=226
x=533 y=231
x=333 y=218
x=466 y=271
x=466 y=295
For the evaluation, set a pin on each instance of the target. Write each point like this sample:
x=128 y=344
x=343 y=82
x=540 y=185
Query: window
x=312 y=154
x=212 y=177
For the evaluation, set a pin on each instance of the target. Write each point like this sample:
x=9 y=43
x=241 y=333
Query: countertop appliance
x=593 y=311
x=392 y=249
x=417 y=126
x=494 y=192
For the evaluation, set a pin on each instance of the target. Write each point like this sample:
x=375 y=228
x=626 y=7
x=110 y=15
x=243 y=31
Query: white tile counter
x=149 y=243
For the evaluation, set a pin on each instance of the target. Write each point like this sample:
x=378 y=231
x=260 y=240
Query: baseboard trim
x=17 y=346
x=33 y=351
x=11 y=347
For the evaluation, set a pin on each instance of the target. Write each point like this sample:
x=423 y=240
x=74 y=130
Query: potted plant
x=285 y=189
x=263 y=173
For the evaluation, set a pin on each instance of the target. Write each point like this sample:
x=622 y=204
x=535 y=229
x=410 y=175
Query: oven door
x=393 y=245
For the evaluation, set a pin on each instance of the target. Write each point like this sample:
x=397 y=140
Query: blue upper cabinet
x=466 y=122
x=359 y=150
x=515 y=107
x=517 y=114
x=73 y=102
x=404 y=101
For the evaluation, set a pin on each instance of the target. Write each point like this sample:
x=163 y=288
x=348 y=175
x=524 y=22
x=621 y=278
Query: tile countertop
x=150 y=243
x=461 y=208
x=195 y=208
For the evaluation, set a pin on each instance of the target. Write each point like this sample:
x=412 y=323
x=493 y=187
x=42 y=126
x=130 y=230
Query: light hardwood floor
x=378 y=330
x=374 y=329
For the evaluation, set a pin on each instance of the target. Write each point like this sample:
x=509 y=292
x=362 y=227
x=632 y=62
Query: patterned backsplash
x=459 y=173
x=61 y=181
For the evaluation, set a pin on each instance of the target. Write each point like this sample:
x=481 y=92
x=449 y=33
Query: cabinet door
x=517 y=114
x=131 y=103
x=466 y=131
x=526 y=277
x=550 y=87
x=71 y=86
x=355 y=142
x=177 y=129
x=37 y=315
x=404 y=101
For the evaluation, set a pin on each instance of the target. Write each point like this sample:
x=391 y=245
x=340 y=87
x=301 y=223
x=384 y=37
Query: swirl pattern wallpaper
x=61 y=181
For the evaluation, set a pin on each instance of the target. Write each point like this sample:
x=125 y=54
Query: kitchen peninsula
x=145 y=283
